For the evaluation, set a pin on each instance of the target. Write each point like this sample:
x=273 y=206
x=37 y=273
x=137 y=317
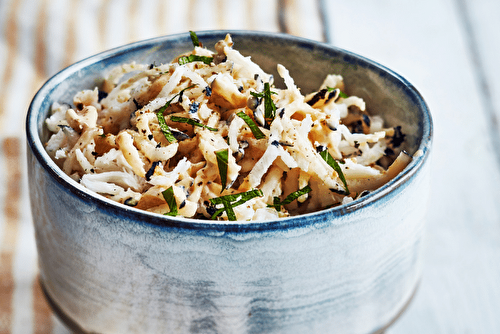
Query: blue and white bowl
x=110 y=268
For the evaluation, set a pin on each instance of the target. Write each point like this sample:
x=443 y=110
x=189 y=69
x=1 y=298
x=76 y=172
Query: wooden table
x=449 y=49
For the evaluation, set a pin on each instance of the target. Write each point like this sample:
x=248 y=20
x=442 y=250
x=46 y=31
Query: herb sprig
x=161 y=118
x=164 y=127
x=169 y=197
x=290 y=198
x=192 y=58
x=333 y=163
x=192 y=122
x=194 y=38
x=222 y=162
x=269 y=106
x=257 y=133
x=229 y=202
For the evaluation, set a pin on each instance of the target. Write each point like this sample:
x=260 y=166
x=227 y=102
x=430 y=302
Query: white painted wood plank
x=4 y=11
x=19 y=91
x=263 y=14
x=116 y=23
x=302 y=18
x=179 y=11
x=25 y=271
x=86 y=28
x=56 y=31
x=425 y=42
x=482 y=27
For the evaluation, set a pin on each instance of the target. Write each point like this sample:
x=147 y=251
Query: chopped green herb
x=251 y=124
x=290 y=198
x=169 y=197
x=194 y=38
x=161 y=119
x=332 y=163
x=192 y=58
x=164 y=127
x=222 y=161
x=269 y=106
x=231 y=201
x=191 y=121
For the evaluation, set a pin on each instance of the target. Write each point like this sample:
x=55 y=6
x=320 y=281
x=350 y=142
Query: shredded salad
x=210 y=136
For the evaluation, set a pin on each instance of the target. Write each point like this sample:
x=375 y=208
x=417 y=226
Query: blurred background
x=449 y=49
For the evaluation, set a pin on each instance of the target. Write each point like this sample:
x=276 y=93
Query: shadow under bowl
x=110 y=268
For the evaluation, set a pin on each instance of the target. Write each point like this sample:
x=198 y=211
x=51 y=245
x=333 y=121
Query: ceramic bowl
x=110 y=268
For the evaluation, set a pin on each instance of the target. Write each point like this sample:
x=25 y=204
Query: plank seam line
x=281 y=16
x=325 y=23
x=481 y=77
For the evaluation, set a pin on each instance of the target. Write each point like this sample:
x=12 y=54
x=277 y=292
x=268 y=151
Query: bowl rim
x=37 y=148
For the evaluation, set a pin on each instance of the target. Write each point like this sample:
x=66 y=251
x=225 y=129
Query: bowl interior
x=385 y=92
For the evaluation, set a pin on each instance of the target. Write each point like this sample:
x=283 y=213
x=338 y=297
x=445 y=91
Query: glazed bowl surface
x=109 y=268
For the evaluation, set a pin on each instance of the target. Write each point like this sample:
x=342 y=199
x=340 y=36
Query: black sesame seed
x=137 y=104
x=388 y=151
x=180 y=136
x=338 y=191
x=363 y=193
x=366 y=119
x=193 y=107
x=211 y=210
x=130 y=202
x=152 y=170
x=101 y=95
x=208 y=91
x=318 y=96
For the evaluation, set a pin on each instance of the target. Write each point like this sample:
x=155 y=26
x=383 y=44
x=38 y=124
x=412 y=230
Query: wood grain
x=478 y=22
x=10 y=150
